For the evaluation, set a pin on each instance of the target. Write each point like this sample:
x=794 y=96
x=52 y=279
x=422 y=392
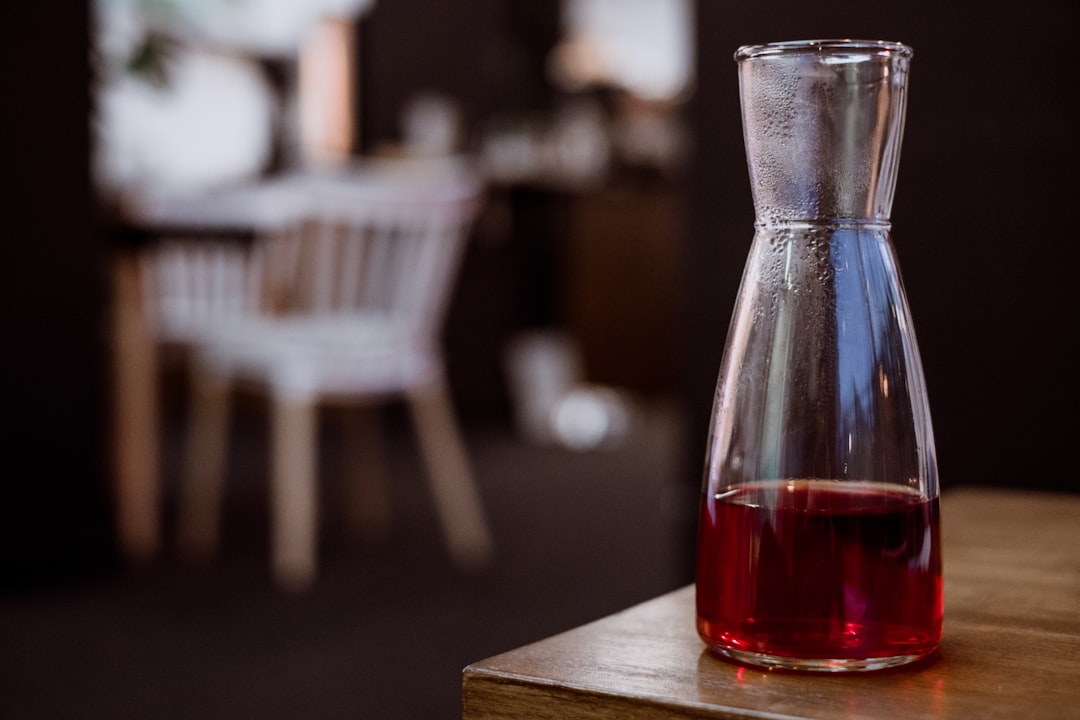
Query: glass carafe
x=818 y=544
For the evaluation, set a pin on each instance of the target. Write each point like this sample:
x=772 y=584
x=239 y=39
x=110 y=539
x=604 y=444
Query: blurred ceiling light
x=644 y=46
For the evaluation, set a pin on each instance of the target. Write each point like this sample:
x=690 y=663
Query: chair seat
x=355 y=355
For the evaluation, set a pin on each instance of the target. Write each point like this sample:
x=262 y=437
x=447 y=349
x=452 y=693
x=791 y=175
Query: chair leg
x=293 y=492
x=203 y=474
x=367 y=501
x=452 y=482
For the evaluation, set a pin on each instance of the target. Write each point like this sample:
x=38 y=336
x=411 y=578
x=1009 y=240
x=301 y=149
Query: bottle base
x=824 y=665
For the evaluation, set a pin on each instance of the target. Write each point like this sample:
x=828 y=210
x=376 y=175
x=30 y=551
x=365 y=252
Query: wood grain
x=1011 y=646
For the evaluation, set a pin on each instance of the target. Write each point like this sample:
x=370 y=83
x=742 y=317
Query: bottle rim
x=838 y=46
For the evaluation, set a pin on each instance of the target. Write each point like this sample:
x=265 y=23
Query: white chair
x=354 y=292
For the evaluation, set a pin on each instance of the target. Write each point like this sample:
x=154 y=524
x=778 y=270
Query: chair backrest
x=387 y=243
x=394 y=251
x=192 y=285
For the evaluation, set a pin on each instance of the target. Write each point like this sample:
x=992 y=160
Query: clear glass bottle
x=818 y=544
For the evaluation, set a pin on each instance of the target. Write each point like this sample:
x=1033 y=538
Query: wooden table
x=1011 y=647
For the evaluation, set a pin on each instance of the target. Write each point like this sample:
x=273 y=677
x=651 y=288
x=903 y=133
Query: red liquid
x=819 y=569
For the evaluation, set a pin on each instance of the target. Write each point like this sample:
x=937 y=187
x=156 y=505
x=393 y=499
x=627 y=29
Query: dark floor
x=387 y=627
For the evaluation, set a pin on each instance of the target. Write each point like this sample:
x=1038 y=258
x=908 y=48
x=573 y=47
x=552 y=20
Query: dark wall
x=463 y=50
x=987 y=182
x=53 y=509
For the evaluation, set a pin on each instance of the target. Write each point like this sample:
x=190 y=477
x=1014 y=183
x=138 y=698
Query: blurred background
x=597 y=285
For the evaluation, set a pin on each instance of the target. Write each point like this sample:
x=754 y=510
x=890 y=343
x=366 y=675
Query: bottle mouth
x=835 y=47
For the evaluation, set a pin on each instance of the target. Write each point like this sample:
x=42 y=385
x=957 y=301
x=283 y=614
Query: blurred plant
x=151 y=57
x=136 y=38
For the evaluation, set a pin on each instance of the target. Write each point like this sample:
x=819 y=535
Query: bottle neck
x=823 y=131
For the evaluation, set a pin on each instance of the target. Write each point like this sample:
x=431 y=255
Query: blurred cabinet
x=621 y=285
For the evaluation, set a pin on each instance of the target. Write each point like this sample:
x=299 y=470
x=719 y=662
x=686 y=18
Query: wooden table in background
x=1011 y=647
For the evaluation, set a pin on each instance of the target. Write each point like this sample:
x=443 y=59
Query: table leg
x=135 y=428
